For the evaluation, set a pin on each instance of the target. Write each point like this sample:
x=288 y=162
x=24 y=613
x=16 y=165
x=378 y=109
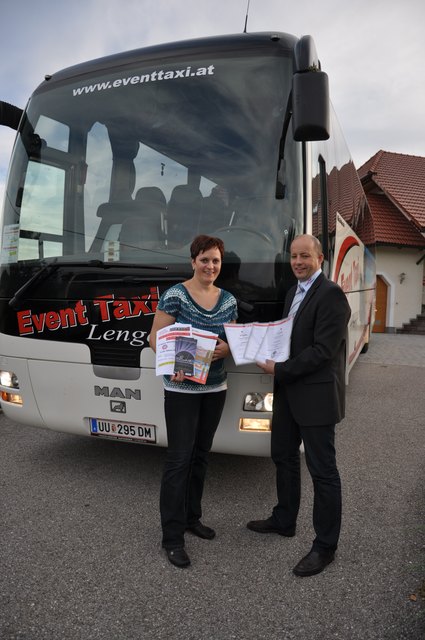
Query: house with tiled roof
x=394 y=184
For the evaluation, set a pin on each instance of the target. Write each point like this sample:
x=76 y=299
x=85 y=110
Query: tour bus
x=118 y=164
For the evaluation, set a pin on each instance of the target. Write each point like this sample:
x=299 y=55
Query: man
x=309 y=399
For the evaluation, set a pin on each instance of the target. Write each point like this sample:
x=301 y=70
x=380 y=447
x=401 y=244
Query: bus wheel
x=365 y=348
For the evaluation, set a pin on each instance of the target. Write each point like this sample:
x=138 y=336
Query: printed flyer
x=180 y=347
x=259 y=341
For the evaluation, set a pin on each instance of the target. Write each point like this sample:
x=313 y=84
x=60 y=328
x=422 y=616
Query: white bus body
x=118 y=164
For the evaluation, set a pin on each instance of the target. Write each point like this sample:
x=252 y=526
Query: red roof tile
x=391 y=227
x=402 y=178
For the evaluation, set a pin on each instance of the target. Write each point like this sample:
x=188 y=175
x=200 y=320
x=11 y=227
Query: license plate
x=123 y=430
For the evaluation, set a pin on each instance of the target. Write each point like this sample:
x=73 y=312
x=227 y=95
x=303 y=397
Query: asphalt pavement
x=80 y=554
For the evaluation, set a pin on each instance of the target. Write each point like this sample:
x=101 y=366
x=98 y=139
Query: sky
x=372 y=50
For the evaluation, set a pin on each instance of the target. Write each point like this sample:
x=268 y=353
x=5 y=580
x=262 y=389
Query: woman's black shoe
x=178 y=557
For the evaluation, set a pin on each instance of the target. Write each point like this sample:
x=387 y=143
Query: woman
x=192 y=410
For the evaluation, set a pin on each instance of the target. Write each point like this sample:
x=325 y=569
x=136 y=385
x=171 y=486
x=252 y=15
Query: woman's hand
x=221 y=350
x=178 y=377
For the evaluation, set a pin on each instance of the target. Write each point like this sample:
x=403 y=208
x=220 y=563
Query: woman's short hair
x=202 y=243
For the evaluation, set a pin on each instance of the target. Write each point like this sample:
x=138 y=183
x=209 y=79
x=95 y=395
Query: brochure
x=276 y=343
x=185 y=352
x=256 y=338
x=237 y=337
x=260 y=341
x=180 y=347
x=166 y=347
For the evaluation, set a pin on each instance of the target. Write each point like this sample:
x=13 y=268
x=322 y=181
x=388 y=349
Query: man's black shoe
x=314 y=562
x=200 y=530
x=268 y=526
x=178 y=557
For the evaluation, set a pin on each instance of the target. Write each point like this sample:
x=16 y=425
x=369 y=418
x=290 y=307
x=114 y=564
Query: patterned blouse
x=178 y=302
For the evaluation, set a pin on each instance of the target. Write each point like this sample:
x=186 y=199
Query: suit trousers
x=320 y=456
x=192 y=420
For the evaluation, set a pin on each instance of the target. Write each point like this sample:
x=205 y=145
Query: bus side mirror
x=310 y=106
x=10 y=115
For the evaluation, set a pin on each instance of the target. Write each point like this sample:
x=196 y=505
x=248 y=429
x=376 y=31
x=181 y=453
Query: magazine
x=180 y=347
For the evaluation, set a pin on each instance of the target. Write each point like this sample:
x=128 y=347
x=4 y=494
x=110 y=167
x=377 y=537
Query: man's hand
x=267 y=366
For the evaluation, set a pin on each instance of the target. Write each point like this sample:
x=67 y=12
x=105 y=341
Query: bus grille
x=115 y=356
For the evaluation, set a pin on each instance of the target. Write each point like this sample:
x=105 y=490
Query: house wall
x=423 y=287
x=404 y=299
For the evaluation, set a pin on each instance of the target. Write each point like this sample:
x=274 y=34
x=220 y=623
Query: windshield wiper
x=280 y=178
x=44 y=273
x=49 y=268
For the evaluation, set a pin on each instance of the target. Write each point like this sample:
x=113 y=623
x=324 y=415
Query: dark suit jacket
x=314 y=375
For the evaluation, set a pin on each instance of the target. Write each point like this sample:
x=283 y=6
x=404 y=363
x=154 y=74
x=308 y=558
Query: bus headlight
x=256 y=401
x=9 y=379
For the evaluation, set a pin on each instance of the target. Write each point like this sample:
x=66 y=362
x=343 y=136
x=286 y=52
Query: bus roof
x=266 y=40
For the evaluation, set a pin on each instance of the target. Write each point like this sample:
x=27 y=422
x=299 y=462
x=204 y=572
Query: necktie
x=299 y=295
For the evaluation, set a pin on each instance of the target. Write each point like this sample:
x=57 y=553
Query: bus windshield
x=128 y=165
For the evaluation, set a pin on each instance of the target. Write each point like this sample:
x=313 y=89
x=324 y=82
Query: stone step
x=412 y=330
x=415 y=326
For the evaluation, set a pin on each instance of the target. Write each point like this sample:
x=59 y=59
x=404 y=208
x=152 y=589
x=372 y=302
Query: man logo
x=116 y=392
